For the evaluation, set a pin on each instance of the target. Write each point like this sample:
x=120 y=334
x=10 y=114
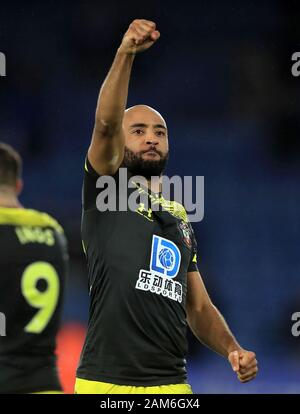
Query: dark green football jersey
x=33 y=259
x=137 y=273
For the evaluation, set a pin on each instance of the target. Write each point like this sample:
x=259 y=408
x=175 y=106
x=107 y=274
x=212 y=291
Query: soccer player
x=33 y=263
x=144 y=283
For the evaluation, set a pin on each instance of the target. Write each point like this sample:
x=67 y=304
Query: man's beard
x=136 y=165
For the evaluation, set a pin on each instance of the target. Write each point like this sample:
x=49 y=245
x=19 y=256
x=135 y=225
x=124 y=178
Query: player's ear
x=19 y=186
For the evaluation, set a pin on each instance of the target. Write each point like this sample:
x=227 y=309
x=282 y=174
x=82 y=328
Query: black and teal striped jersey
x=137 y=274
x=33 y=261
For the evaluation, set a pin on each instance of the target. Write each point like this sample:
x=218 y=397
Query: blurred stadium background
x=221 y=75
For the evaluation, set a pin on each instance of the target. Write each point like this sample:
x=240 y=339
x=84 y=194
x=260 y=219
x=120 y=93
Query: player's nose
x=152 y=140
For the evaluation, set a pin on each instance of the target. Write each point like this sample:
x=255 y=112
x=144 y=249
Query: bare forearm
x=113 y=94
x=106 y=151
x=209 y=326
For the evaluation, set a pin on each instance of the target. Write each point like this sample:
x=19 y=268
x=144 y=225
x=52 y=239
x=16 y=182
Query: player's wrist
x=123 y=51
x=234 y=346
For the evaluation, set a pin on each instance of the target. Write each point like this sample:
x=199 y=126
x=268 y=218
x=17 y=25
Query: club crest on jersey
x=164 y=266
x=186 y=233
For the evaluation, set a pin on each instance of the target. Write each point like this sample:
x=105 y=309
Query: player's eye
x=160 y=133
x=138 y=131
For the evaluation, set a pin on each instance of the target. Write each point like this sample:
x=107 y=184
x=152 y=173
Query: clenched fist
x=140 y=35
x=244 y=363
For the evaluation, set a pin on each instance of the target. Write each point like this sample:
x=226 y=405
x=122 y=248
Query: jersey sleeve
x=89 y=190
x=193 y=267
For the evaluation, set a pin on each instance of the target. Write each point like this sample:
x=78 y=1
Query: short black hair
x=10 y=165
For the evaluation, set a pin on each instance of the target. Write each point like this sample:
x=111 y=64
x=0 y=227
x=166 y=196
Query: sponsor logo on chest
x=164 y=266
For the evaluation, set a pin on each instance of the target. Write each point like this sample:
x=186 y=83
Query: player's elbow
x=198 y=311
x=106 y=127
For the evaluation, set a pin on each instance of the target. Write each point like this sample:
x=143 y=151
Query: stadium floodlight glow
x=2 y=64
x=2 y=324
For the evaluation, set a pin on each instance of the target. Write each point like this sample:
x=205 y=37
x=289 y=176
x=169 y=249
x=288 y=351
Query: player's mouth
x=151 y=153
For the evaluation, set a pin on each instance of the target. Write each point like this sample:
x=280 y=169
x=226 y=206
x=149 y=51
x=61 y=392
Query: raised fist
x=140 y=35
